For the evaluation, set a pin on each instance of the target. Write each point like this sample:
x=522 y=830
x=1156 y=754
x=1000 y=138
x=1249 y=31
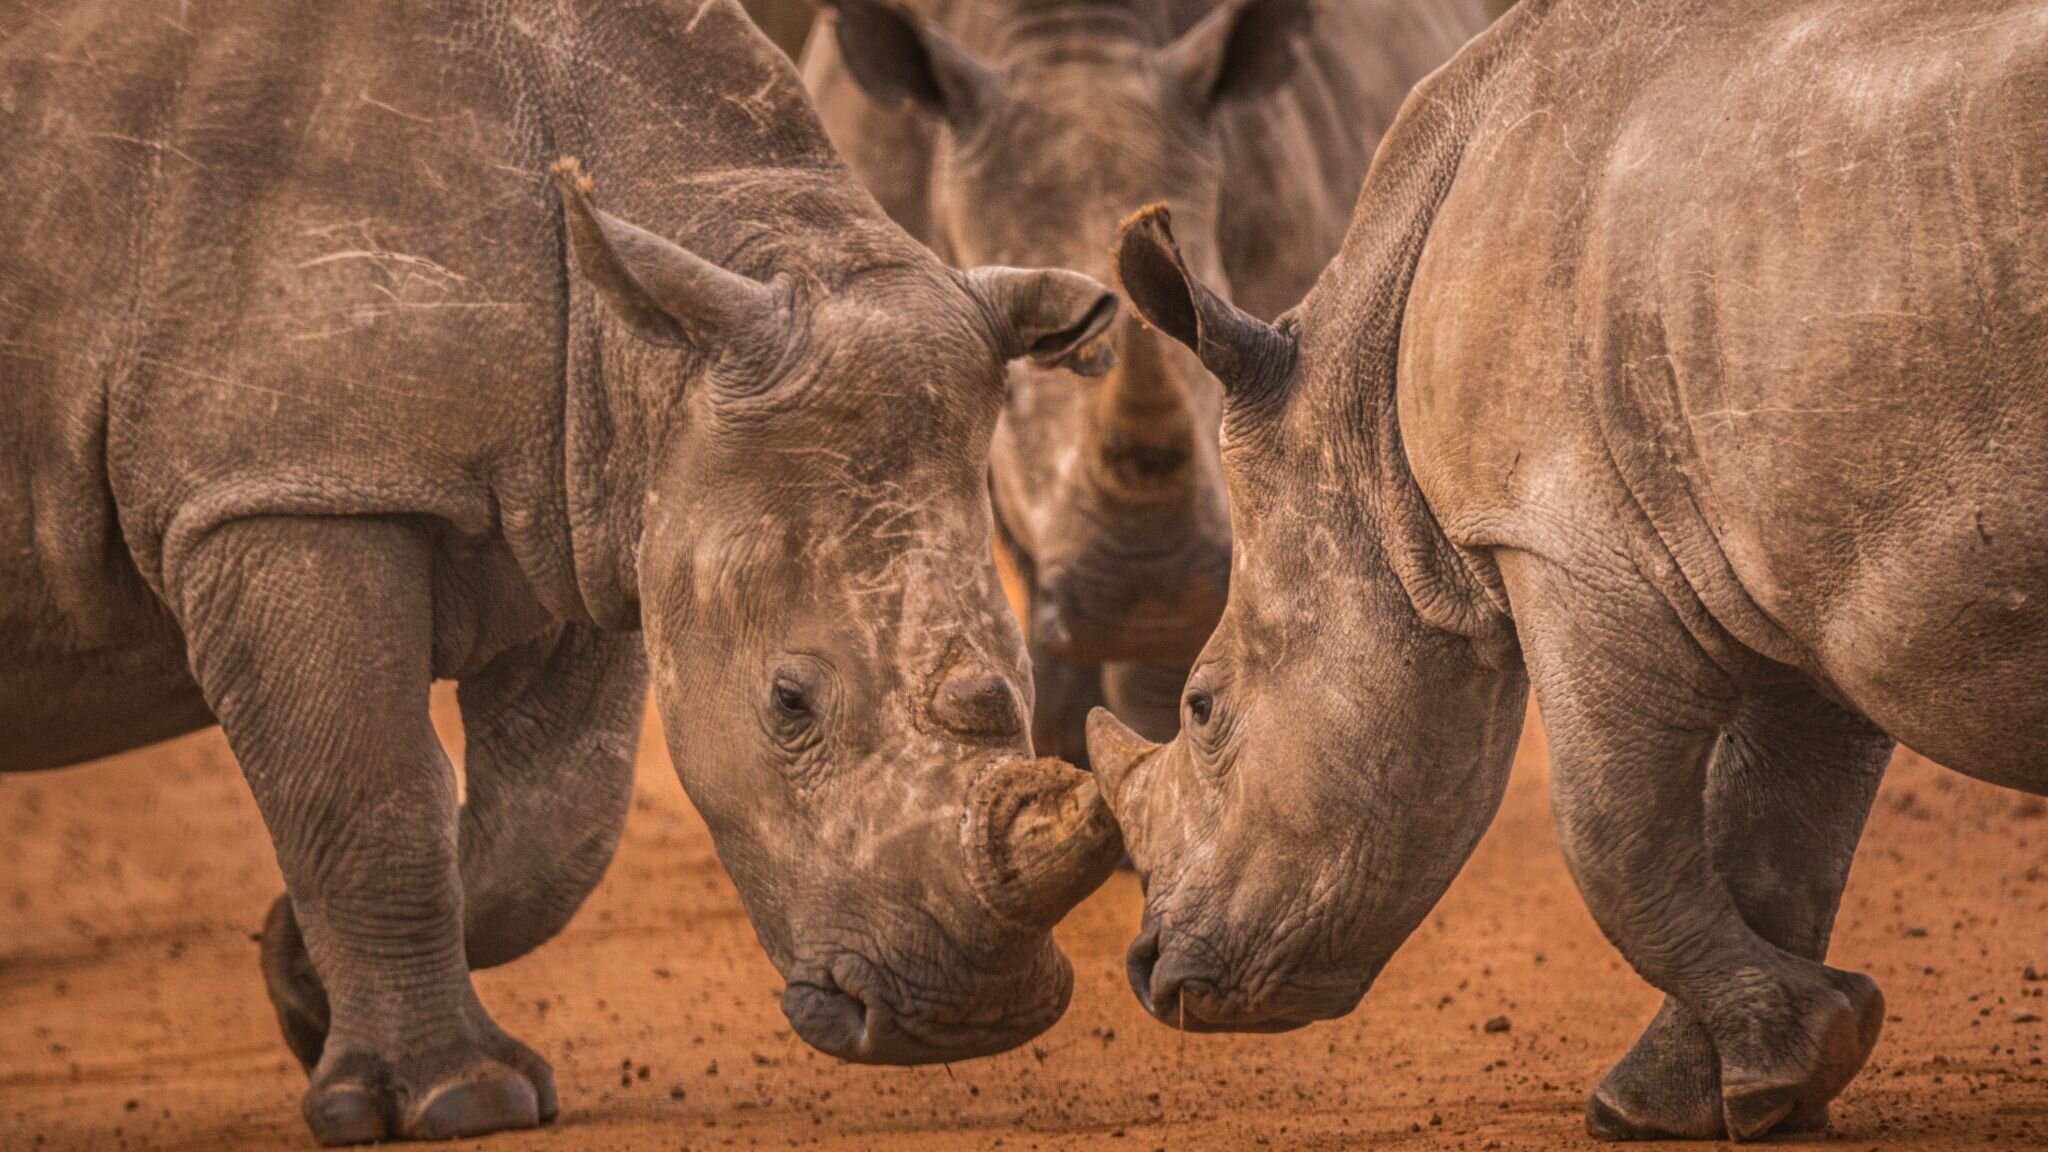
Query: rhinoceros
x=1024 y=131
x=1684 y=361
x=305 y=407
x=786 y=22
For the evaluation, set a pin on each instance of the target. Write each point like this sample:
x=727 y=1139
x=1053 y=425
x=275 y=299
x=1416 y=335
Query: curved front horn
x=1039 y=839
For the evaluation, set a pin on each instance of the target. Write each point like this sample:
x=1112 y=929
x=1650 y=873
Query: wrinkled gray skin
x=304 y=407
x=1023 y=132
x=1684 y=361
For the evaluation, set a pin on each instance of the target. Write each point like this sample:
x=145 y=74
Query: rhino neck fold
x=1362 y=297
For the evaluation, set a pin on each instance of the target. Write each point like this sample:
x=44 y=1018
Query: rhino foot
x=1668 y=1087
x=1842 y=1023
x=484 y=1082
x=455 y=1091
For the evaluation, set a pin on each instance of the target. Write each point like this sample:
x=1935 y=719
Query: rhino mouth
x=841 y=1012
x=1182 y=992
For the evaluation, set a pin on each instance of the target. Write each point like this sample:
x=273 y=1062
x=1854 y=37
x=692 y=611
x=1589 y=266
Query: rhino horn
x=1039 y=839
x=1144 y=431
x=1114 y=751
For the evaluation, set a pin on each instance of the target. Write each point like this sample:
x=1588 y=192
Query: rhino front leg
x=551 y=729
x=312 y=640
x=1789 y=786
x=1634 y=708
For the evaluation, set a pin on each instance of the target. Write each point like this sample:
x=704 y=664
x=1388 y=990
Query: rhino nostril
x=977 y=701
x=1138 y=965
x=828 y=1018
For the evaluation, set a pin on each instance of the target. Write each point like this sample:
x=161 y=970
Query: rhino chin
x=849 y=1021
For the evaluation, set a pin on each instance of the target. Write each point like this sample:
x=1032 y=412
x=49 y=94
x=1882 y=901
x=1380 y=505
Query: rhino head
x=1339 y=753
x=842 y=685
x=1109 y=488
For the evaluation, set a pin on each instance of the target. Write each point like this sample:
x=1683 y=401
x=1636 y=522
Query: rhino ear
x=666 y=294
x=1243 y=48
x=1056 y=318
x=894 y=55
x=1244 y=352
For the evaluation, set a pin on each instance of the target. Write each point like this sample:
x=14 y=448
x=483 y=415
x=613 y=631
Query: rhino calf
x=1687 y=362
x=305 y=407
x=1023 y=132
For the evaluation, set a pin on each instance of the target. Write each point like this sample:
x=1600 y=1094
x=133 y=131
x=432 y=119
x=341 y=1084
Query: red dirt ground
x=132 y=1014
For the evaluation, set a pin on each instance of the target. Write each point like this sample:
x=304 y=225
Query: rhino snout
x=842 y=1010
x=1186 y=983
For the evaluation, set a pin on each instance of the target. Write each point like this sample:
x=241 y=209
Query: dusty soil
x=132 y=1014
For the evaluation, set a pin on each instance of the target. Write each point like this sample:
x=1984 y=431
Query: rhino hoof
x=1844 y=1028
x=363 y=1099
x=490 y=1098
x=1752 y=1113
x=1607 y=1120
x=1668 y=1086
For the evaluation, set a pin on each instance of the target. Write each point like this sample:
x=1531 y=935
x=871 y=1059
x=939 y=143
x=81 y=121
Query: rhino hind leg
x=359 y=799
x=1634 y=708
x=551 y=732
x=1789 y=786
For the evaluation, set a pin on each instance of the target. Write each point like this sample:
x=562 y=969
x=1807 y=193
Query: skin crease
x=1023 y=132
x=1744 y=502
x=253 y=469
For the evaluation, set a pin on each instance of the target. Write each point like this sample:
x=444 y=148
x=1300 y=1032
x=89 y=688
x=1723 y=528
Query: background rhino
x=1022 y=132
x=786 y=22
x=303 y=409
x=1690 y=359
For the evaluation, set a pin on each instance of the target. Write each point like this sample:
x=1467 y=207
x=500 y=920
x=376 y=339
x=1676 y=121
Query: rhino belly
x=90 y=661
x=66 y=708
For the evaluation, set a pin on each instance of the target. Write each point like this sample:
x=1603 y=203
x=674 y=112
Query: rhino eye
x=791 y=702
x=1199 y=706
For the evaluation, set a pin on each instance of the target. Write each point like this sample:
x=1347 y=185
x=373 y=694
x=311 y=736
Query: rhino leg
x=312 y=639
x=1634 y=708
x=551 y=729
x=1788 y=788
x=1146 y=697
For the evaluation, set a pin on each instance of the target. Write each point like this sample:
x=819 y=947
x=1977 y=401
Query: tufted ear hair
x=1247 y=354
x=1057 y=319
x=665 y=293
x=894 y=56
x=1241 y=49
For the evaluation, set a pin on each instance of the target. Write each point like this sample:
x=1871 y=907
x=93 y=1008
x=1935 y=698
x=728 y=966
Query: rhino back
x=1293 y=163
x=278 y=236
x=290 y=257
x=1776 y=271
